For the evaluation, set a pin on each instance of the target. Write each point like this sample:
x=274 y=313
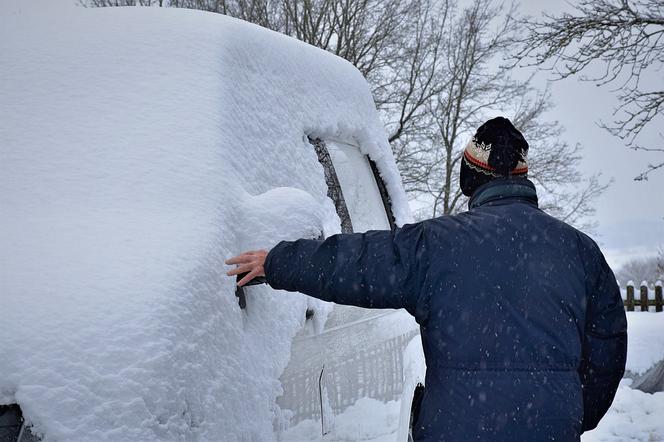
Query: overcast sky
x=630 y=213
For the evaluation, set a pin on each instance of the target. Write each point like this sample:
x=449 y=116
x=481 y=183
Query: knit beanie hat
x=498 y=150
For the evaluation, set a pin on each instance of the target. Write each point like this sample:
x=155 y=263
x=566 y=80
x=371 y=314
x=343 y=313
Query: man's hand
x=251 y=262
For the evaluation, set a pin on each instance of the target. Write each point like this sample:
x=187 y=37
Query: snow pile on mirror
x=138 y=147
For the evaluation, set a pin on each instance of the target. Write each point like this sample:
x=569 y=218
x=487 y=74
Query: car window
x=361 y=201
x=334 y=191
x=359 y=187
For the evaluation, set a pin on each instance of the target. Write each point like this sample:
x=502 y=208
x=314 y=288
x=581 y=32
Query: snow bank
x=633 y=416
x=139 y=148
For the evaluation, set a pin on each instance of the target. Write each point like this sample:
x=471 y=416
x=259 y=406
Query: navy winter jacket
x=521 y=318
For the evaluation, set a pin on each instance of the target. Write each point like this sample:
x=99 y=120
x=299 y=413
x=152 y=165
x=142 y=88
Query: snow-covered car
x=140 y=148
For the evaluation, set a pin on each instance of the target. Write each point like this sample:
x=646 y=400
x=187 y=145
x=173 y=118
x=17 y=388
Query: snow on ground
x=645 y=336
x=139 y=148
x=634 y=416
x=352 y=425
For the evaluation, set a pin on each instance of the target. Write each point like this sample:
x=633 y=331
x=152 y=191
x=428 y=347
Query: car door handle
x=239 y=290
x=255 y=281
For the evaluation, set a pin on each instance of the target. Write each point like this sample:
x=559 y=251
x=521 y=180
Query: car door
x=347 y=382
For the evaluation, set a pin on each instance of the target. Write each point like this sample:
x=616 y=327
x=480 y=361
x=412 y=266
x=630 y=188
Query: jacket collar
x=503 y=189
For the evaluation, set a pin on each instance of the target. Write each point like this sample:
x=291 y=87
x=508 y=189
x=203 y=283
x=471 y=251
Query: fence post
x=630 y=296
x=659 y=302
x=644 y=296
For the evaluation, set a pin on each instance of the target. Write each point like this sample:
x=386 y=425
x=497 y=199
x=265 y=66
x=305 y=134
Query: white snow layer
x=367 y=420
x=634 y=416
x=139 y=148
x=645 y=340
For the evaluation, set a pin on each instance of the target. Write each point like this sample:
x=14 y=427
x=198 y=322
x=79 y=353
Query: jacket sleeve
x=604 y=349
x=375 y=269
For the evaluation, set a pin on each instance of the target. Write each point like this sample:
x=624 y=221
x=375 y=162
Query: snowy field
x=634 y=415
x=646 y=340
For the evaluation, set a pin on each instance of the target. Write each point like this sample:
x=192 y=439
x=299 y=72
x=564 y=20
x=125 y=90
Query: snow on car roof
x=139 y=148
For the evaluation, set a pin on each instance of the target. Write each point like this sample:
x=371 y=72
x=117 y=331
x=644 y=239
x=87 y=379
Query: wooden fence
x=644 y=299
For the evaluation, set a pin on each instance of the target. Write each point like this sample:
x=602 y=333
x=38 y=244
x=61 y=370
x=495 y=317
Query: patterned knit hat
x=497 y=150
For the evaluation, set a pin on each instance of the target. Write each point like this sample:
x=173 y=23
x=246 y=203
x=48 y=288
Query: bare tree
x=554 y=164
x=627 y=36
x=641 y=269
x=108 y=3
x=406 y=88
x=475 y=87
x=413 y=77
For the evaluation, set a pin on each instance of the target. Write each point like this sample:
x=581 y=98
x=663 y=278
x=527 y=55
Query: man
x=521 y=318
